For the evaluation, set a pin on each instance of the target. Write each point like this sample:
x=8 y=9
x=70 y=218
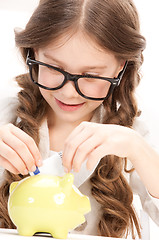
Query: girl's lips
x=68 y=107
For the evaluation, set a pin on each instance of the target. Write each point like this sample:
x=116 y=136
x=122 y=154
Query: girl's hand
x=18 y=151
x=92 y=141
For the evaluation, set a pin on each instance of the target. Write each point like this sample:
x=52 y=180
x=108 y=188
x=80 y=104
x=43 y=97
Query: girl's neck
x=58 y=133
x=59 y=130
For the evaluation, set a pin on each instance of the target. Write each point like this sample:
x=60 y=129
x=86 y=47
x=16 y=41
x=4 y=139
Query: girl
x=84 y=58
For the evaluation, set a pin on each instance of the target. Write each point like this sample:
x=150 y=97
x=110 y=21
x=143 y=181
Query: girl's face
x=76 y=55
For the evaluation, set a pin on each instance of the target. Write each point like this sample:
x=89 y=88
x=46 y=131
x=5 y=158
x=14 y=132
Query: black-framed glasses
x=88 y=86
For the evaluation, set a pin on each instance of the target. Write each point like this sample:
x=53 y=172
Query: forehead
x=78 y=49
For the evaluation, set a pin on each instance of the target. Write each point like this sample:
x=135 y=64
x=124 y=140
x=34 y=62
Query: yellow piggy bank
x=46 y=203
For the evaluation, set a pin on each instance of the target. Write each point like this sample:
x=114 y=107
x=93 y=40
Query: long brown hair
x=114 y=26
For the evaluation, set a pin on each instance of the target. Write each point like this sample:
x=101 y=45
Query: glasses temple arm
x=123 y=71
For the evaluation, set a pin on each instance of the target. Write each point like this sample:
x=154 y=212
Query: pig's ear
x=12 y=186
x=67 y=182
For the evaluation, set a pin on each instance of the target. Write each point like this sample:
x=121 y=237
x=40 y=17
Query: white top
x=149 y=203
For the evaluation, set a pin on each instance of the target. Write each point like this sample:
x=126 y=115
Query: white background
x=15 y=13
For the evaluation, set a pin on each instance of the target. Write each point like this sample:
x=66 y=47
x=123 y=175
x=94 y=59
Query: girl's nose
x=68 y=90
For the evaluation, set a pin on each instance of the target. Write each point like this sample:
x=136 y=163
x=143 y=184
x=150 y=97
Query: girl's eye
x=91 y=74
x=54 y=65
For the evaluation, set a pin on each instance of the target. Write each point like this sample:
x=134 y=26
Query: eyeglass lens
x=90 y=87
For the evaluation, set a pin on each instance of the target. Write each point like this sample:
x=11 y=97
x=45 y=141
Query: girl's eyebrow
x=60 y=63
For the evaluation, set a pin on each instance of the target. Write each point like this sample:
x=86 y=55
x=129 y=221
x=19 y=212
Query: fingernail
x=66 y=170
x=75 y=170
x=39 y=163
x=25 y=172
x=33 y=168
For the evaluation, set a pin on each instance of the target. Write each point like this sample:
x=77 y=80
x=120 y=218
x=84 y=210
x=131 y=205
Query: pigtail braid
x=5 y=221
x=109 y=186
x=111 y=190
x=32 y=107
x=30 y=113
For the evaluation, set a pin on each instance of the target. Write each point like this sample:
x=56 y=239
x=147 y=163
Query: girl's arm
x=92 y=141
x=146 y=162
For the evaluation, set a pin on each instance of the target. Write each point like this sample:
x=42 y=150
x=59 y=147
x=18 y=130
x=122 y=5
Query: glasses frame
x=74 y=78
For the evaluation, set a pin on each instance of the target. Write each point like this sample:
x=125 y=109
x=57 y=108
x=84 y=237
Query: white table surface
x=12 y=234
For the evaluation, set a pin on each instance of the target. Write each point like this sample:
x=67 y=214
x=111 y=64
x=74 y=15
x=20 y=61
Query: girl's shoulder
x=140 y=126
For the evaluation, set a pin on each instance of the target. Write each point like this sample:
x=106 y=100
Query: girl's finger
x=72 y=145
x=21 y=149
x=30 y=143
x=7 y=165
x=84 y=150
x=12 y=157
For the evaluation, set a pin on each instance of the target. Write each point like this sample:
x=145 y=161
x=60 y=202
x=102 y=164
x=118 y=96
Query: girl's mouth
x=68 y=107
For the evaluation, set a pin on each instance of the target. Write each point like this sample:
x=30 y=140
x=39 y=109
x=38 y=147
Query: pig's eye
x=59 y=198
x=30 y=200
